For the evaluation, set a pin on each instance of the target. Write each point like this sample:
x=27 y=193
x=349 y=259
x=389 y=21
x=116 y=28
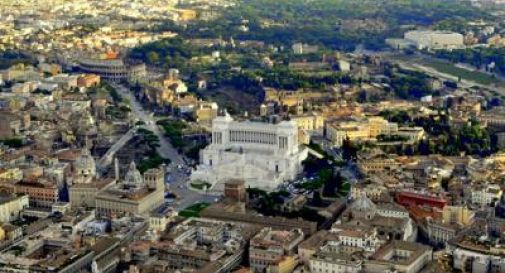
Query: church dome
x=85 y=164
x=363 y=207
x=133 y=177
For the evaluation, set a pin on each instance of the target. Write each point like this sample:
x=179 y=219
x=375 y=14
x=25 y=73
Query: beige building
x=445 y=227
x=136 y=194
x=438 y=231
x=84 y=195
x=411 y=133
x=334 y=261
x=159 y=220
x=359 y=130
x=372 y=191
x=11 y=174
x=496 y=41
x=306 y=124
x=2 y=235
x=434 y=39
x=460 y=215
x=206 y=111
x=399 y=256
x=11 y=205
x=271 y=249
x=309 y=247
x=20 y=72
x=286 y=265
x=337 y=133
x=10 y=125
x=309 y=122
x=202 y=245
x=395 y=256
x=379 y=125
x=376 y=160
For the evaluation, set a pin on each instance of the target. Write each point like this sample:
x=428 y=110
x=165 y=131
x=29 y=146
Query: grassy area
x=173 y=130
x=153 y=161
x=324 y=177
x=344 y=190
x=193 y=210
x=232 y=99
x=117 y=112
x=465 y=74
x=12 y=142
x=449 y=69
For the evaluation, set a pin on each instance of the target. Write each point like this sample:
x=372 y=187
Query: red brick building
x=407 y=199
x=40 y=194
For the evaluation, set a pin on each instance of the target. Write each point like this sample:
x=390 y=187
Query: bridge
x=107 y=158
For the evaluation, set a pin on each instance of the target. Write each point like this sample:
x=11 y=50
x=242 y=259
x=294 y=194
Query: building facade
x=11 y=206
x=361 y=130
x=40 y=194
x=434 y=39
x=261 y=154
x=113 y=69
x=271 y=248
x=135 y=194
x=486 y=195
x=84 y=195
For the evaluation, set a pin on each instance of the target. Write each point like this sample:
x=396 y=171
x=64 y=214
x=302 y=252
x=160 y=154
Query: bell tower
x=154 y=178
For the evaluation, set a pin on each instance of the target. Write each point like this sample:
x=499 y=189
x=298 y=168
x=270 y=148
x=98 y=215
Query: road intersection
x=177 y=171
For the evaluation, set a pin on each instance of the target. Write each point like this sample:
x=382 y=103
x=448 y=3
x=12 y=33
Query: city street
x=179 y=177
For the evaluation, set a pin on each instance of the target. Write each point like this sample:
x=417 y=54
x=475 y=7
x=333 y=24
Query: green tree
x=153 y=57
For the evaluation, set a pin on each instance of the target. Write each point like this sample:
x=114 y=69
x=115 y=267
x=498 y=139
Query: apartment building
x=359 y=130
x=273 y=248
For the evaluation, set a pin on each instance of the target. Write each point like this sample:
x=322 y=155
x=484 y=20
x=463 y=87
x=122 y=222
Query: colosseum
x=113 y=69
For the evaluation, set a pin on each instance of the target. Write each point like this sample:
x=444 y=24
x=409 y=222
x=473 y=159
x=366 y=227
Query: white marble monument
x=262 y=154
